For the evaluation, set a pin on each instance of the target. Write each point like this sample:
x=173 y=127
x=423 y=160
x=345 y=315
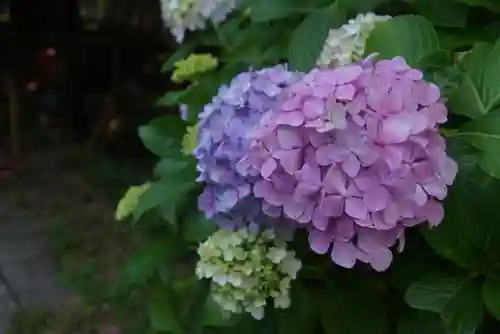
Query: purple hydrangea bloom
x=354 y=155
x=222 y=143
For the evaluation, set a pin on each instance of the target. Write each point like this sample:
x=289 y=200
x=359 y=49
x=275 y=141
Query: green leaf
x=359 y=6
x=162 y=313
x=163 y=135
x=182 y=52
x=265 y=10
x=353 y=309
x=213 y=315
x=302 y=317
x=479 y=92
x=439 y=67
x=490 y=163
x=148 y=258
x=445 y=13
x=308 y=39
x=491 y=296
x=420 y=322
x=469 y=244
x=434 y=293
x=409 y=36
x=483 y=132
x=456 y=298
x=417 y=260
x=197 y=228
x=170 y=99
x=490 y=4
x=167 y=167
x=252 y=45
x=171 y=191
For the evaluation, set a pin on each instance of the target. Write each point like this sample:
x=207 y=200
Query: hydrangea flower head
x=223 y=141
x=182 y=15
x=193 y=66
x=354 y=154
x=347 y=43
x=246 y=269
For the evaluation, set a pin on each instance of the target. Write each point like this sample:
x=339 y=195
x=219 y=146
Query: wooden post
x=14 y=111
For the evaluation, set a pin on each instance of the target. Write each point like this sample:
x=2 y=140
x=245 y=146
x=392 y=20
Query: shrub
x=365 y=130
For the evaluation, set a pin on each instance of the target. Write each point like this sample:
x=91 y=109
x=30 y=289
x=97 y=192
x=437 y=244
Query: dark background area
x=101 y=83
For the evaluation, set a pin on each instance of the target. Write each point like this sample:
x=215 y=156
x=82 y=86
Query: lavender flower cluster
x=223 y=143
x=353 y=155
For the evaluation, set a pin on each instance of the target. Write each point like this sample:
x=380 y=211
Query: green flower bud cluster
x=247 y=268
x=192 y=66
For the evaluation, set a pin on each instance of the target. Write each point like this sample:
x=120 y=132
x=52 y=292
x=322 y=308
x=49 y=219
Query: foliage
x=447 y=279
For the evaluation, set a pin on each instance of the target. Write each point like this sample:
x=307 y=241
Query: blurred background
x=77 y=78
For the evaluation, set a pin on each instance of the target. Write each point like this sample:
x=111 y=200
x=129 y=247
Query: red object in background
x=46 y=69
x=32 y=86
x=51 y=52
x=46 y=63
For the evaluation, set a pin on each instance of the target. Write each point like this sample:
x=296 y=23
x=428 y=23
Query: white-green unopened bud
x=347 y=43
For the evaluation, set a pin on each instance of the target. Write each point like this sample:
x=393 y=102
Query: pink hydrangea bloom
x=354 y=155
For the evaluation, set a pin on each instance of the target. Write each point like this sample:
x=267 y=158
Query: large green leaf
x=417 y=260
x=470 y=229
x=359 y=6
x=420 y=322
x=171 y=192
x=491 y=296
x=147 y=259
x=490 y=4
x=446 y=13
x=265 y=10
x=353 y=309
x=490 y=163
x=162 y=314
x=167 y=167
x=252 y=45
x=162 y=135
x=409 y=36
x=213 y=315
x=484 y=134
x=197 y=228
x=479 y=92
x=303 y=316
x=308 y=39
x=170 y=99
x=456 y=298
x=439 y=67
x=434 y=293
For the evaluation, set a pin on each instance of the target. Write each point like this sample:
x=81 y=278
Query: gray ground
x=27 y=275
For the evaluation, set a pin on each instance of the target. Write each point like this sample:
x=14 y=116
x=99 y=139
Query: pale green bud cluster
x=247 y=268
x=192 y=66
